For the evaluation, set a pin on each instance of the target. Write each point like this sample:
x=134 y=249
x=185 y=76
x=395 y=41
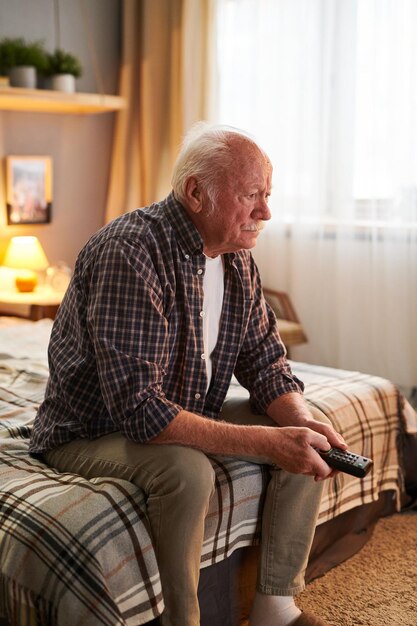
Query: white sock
x=273 y=610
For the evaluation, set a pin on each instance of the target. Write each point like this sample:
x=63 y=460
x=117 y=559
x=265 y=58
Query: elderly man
x=165 y=305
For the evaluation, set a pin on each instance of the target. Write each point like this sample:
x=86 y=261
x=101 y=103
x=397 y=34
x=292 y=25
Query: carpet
x=377 y=586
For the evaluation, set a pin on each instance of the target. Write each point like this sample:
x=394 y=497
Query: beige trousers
x=178 y=483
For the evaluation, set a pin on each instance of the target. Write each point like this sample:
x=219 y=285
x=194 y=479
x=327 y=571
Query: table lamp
x=26 y=255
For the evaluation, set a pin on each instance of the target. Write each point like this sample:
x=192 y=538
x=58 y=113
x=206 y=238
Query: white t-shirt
x=213 y=288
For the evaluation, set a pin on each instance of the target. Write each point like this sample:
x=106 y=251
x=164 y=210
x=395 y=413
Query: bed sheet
x=76 y=551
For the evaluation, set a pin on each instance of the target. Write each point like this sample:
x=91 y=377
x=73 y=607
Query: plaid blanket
x=79 y=552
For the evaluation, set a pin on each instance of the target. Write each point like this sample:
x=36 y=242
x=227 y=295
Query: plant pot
x=63 y=82
x=23 y=76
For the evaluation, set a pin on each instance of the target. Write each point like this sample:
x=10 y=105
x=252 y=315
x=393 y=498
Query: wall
x=80 y=146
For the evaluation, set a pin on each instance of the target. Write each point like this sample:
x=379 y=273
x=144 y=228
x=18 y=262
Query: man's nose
x=264 y=212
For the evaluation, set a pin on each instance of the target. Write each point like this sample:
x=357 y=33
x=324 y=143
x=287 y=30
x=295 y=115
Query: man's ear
x=193 y=195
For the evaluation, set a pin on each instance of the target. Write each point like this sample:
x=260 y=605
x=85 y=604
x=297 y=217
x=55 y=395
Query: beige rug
x=377 y=586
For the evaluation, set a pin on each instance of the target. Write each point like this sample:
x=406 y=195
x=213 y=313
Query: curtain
x=166 y=79
x=329 y=87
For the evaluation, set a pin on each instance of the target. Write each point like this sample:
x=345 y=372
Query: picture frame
x=28 y=189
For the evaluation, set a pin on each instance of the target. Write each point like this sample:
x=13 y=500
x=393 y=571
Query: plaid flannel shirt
x=126 y=351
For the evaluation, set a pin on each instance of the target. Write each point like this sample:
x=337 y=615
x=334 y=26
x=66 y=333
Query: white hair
x=205 y=153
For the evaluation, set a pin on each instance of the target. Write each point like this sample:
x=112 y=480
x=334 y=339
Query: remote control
x=346 y=461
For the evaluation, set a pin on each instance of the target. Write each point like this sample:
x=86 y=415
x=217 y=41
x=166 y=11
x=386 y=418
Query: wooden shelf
x=47 y=101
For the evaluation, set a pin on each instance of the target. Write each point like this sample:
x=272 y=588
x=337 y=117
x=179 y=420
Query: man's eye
x=252 y=196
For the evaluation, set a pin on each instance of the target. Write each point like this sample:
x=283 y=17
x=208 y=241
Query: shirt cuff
x=149 y=419
x=262 y=397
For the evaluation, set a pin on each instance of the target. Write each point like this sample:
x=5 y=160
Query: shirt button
x=200 y=271
x=187 y=256
x=203 y=356
x=197 y=396
x=202 y=314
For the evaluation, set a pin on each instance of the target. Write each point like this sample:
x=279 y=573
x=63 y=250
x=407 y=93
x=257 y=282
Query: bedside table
x=42 y=302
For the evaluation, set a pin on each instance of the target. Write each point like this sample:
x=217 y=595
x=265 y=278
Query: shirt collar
x=187 y=234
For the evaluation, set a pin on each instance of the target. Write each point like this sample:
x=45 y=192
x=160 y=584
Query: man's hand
x=291 y=410
x=333 y=437
x=292 y=449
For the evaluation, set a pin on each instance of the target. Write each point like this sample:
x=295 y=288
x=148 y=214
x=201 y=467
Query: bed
x=79 y=552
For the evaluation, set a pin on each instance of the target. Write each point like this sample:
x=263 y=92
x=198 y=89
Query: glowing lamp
x=26 y=255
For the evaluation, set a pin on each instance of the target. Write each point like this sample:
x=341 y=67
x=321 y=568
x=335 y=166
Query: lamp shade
x=25 y=253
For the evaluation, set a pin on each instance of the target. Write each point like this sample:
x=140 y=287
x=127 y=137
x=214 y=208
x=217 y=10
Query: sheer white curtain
x=329 y=87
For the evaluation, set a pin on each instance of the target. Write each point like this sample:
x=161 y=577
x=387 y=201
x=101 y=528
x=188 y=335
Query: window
x=330 y=89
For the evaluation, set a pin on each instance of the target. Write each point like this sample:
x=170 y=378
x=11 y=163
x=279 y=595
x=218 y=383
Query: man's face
x=234 y=220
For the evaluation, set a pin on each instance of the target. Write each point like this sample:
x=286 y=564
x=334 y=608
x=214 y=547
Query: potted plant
x=63 y=68
x=22 y=61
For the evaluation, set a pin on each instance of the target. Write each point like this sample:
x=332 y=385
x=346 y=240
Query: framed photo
x=28 y=189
